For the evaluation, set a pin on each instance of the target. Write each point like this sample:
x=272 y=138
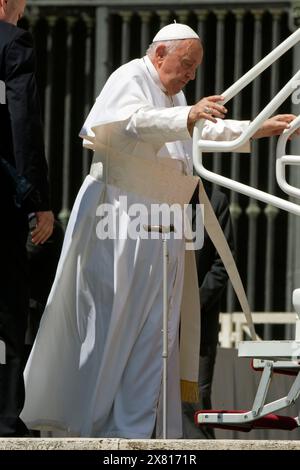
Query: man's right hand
x=207 y=108
x=44 y=227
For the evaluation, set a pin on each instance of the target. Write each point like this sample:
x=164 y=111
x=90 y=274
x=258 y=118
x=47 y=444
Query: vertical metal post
x=293 y=248
x=145 y=40
x=32 y=20
x=235 y=208
x=201 y=18
x=164 y=16
x=101 y=49
x=271 y=211
x=182 y=16
x=49 y=86
x=65 y=211
x=86 y=154
x=253 y=209
x=126 y=17
x=219 y=73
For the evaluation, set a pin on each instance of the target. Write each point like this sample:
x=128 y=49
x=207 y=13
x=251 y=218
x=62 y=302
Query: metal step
x=272 y=350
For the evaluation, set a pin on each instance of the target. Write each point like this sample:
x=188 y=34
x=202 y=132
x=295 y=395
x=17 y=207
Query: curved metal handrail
x=282 y=160
x=200 y=145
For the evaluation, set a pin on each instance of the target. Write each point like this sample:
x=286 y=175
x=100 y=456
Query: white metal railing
x=282 y=160
x=200 y=145
x=233 y=326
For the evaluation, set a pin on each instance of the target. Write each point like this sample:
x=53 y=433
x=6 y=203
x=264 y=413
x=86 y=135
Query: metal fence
x=79 y=43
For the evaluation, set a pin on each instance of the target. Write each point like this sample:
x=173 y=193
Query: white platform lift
x=267 y=356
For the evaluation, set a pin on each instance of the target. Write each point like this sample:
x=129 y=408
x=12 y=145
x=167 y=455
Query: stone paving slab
x=207 y=444
x=58 y=444
x=143 y=444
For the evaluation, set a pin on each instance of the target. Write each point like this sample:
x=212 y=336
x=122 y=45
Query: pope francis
x=96 y=367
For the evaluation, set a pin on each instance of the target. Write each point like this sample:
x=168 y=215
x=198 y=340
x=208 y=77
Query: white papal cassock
x=96 y=367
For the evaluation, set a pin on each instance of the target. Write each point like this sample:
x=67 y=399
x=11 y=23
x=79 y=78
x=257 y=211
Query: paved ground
x=126 y=444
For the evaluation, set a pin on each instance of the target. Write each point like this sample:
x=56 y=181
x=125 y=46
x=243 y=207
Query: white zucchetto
x=175 y=31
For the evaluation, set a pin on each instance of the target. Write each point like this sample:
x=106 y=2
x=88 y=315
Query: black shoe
x=12 y=427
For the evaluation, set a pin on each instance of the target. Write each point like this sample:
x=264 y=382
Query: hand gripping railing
x=200 y=145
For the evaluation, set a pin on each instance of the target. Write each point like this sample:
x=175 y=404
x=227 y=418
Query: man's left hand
x=44 y=227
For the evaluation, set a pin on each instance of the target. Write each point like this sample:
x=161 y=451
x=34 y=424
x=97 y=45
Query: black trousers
x=190 y=429
x=14 y=301
x=208 y=351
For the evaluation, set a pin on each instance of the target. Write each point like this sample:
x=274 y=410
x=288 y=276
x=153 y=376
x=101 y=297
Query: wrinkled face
x=177 y=67
x=12 y=10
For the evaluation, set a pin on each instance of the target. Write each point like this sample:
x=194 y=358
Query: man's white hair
x=170 y=46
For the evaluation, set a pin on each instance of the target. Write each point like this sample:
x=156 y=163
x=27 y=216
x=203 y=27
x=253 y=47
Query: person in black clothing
x=212 y=277
x=23 y=190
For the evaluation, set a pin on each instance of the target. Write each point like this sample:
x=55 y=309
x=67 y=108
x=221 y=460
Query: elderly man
x=96 y=368
x=23 y=190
